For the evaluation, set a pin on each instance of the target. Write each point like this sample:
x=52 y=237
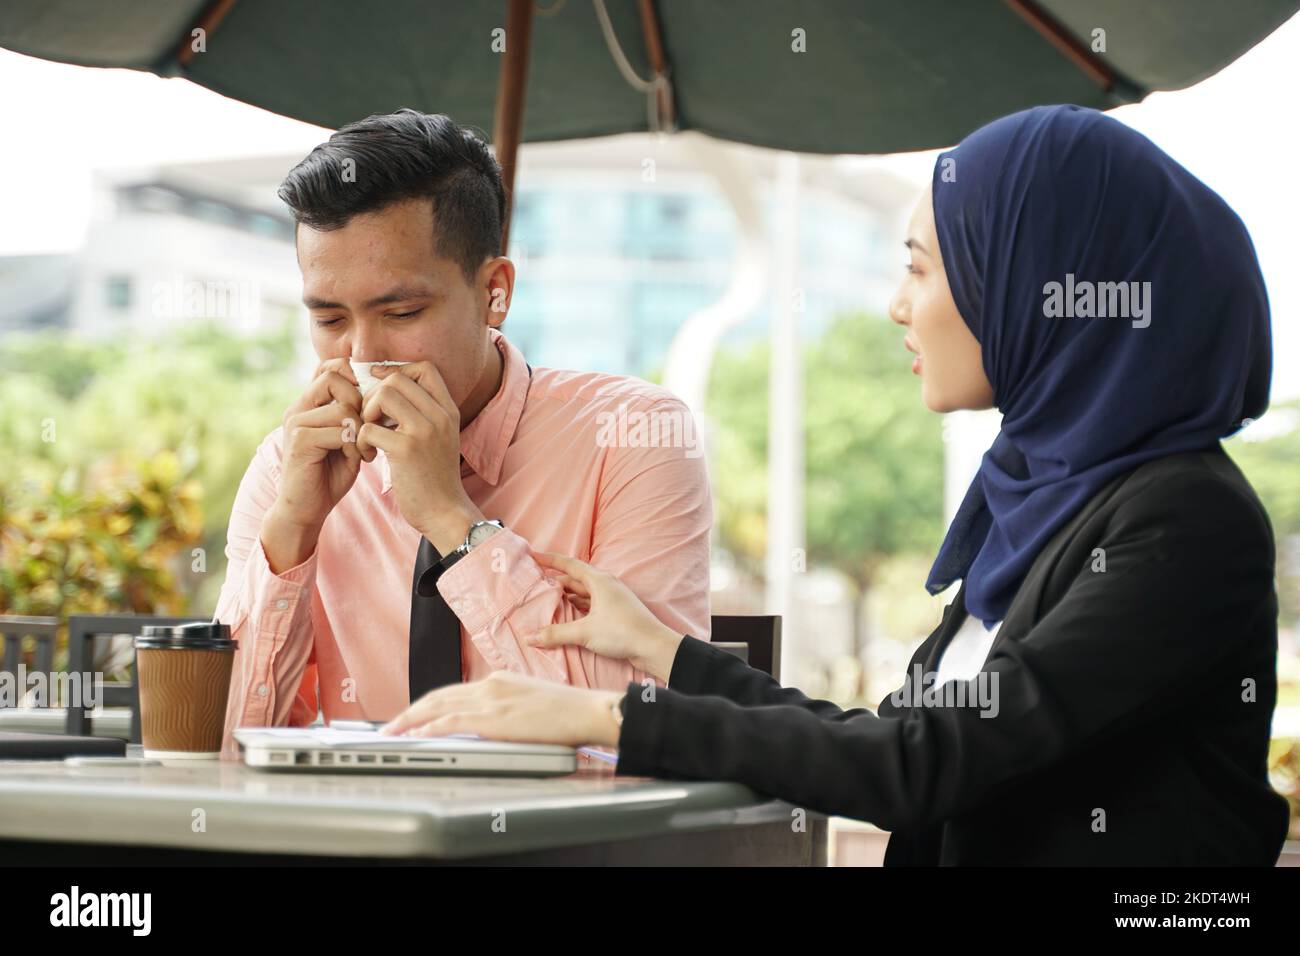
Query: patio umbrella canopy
x=821 y=76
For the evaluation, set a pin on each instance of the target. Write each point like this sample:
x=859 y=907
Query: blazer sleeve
x=700 y=668
x=1189 y=564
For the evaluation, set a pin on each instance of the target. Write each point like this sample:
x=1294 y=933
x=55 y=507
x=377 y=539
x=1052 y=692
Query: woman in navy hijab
x=1101 y=689
x=1118 y=312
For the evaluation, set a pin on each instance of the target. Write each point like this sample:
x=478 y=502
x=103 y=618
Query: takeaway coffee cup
x=184 y=677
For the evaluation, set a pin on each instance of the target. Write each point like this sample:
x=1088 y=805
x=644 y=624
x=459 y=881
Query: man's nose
x=367 y=348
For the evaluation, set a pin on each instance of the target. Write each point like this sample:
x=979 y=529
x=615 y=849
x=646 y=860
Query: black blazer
x=1133 y=704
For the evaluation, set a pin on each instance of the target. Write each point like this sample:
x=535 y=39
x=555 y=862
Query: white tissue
x=366 y=382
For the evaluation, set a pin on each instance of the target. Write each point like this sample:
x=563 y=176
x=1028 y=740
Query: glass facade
x=606 y=276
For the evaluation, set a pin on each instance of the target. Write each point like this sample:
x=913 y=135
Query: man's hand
x=321 y=463
x=423 y=451
x=507 y=706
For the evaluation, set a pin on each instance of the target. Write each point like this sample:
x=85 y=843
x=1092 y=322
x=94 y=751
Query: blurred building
x=166 y=245
x=36 y=291
x=617 y=241
x=620 y=240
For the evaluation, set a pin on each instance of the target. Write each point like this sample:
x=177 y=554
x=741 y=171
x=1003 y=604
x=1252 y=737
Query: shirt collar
x=483 y=442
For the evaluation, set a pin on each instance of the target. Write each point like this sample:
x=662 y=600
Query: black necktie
x=435 y=630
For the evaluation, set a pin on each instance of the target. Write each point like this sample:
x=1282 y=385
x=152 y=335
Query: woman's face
x=947 y=354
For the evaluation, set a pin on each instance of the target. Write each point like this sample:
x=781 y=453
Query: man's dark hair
x=406 y=155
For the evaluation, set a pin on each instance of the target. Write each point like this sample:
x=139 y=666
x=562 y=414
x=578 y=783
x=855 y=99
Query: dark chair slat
x=44 y=630
x=738 y=648
x=13 y=648
x=82 y=630
x=45 y=655
x=759 y=633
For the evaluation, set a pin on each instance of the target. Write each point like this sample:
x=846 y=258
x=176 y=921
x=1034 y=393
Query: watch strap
x=429 y=581
x=427 y=584
x=445 y=563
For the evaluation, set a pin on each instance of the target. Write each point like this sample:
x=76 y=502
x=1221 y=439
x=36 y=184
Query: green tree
x=874 y=460
x=1273 y=467
x=89 y=409
x=873 y=453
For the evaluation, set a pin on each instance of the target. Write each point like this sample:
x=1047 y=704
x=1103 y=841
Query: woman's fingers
x=578 y=570
x=445 y=725
x=436 y=703
x=560 y=635
x=572 y=585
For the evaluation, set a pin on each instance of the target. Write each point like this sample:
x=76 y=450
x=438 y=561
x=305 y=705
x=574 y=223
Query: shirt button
x=281 y=604
x=263 y=690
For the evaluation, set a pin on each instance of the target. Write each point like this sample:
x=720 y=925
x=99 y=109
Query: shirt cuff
x=303 y=574
x=278 y=602
x=493 y=578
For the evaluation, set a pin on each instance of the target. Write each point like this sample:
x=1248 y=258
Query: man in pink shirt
x=467 y=457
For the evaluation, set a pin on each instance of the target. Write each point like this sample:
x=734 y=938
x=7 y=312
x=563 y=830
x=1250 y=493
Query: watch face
x=482 y=532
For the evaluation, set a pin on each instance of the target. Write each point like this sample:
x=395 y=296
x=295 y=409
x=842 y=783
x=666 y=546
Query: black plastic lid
x=201 y=635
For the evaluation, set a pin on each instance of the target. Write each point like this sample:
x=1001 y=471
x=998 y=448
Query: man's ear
x=498 y=283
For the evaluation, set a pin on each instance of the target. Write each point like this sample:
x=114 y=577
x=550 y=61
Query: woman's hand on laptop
x=616 y=624
x=509 y=706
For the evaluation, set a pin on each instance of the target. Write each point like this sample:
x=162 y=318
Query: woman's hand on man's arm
x=616 y=624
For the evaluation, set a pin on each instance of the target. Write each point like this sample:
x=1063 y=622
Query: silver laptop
x=336 y=751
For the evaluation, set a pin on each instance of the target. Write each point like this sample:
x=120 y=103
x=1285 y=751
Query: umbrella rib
x=208 y=22
x=1069 y=46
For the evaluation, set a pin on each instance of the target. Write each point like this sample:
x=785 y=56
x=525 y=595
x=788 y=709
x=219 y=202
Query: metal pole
x=785 y=482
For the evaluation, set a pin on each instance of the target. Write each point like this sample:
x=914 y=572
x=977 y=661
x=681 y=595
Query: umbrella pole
x=508 y=122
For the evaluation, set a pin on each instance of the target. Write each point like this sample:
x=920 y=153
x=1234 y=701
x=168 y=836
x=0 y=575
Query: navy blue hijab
x=1067 y=195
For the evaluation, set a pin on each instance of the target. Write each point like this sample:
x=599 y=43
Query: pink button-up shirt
x=602 y=467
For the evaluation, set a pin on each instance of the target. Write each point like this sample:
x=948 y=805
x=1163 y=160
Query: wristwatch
x=478 y=532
